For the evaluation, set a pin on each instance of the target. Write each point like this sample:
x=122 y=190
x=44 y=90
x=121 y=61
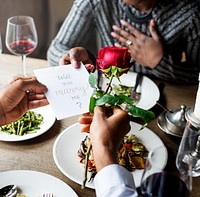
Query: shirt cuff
x=113 y=176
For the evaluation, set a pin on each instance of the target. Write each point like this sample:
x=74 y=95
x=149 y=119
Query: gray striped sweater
x=178 y=23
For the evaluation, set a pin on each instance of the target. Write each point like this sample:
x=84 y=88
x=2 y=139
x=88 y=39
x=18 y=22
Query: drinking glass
x=21 y=37
x=158 y=182
x=1 y=47
x=189 y=149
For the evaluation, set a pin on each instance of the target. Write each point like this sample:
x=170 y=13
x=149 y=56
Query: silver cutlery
x=165 y=108
x=134 y=93
x=99 y=76
x=47 y=195
x=8 y=191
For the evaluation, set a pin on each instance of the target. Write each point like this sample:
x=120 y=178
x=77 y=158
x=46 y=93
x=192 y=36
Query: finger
x=37 y=103
x=85 y=119
x=153 y=31
x=122 y=32
x=28 y=83
x=118 y=45
x=99 y=113
x=33 y=96
x=16 y=78
x=132 y=29
x=33 y=86
x=119 y=38
x=117 y=111
x=121 y=115
x=85 y=128
x=65 y=59
x=90 y=67
x=116 y=36
x=99 y=109
x=61 y=61
x=88 y=114
x=73 y=59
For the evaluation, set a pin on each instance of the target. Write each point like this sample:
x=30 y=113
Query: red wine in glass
x=22 y=47
x=21 y=37
x=164 y=184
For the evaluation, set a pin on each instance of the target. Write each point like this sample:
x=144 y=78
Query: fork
x=47 y=195
x=134 y=94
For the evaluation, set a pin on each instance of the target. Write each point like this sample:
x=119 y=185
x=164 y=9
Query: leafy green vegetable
x=122 y=89
x=28 y=123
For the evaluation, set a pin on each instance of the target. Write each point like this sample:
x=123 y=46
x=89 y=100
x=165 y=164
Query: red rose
x=113 y=57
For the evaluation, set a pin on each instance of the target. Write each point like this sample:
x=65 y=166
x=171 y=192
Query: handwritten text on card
x=68 y=89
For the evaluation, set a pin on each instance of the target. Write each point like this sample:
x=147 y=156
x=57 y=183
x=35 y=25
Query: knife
x=134 y=94
x=99 y=75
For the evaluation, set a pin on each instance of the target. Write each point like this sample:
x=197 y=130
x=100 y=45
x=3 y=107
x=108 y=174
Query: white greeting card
x=68 y=89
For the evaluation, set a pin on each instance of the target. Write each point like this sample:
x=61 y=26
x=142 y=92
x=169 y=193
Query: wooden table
x=36 y=154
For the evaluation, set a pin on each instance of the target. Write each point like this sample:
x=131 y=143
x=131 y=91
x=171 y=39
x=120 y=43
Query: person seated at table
x=20 y=95
x=106 y=135
x=156 y=33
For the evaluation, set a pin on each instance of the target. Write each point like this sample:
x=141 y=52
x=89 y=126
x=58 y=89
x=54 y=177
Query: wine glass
x=21 y=37
x=189 y=149
x=1 y=47
x=157 y=182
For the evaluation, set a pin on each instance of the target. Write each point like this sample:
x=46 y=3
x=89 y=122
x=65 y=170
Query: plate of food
x=34 y=123
x=28 y=185
x=67 y=145
x=149 y=92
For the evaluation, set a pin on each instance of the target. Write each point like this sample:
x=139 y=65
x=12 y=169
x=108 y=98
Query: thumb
x=99 y=114
x=73 y=59
x=153 y=31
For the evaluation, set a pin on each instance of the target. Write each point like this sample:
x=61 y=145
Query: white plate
x=49 y=119
x=149 y=90
x=34 y=184
x=68 y=142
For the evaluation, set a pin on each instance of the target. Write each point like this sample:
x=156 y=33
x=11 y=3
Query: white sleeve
x=114 y=180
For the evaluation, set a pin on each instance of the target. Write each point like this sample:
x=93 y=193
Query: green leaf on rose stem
x=92 y=104
x=115 y=72
x=92 y=80
x=98 y=94
x=107 y=71
x=109 y=99
x=123 y=69
x=126 y=99
x=137 y=112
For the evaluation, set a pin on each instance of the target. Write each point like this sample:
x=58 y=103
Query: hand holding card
x=68 y=89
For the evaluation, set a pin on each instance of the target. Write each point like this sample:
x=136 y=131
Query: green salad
x=28 y=123
x=122 y=89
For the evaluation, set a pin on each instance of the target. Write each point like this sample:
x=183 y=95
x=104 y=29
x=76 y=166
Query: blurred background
x=48 y=16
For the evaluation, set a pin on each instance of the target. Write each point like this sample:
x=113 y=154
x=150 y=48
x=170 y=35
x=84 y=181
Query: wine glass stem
x=24 y=65
x=190 y=178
